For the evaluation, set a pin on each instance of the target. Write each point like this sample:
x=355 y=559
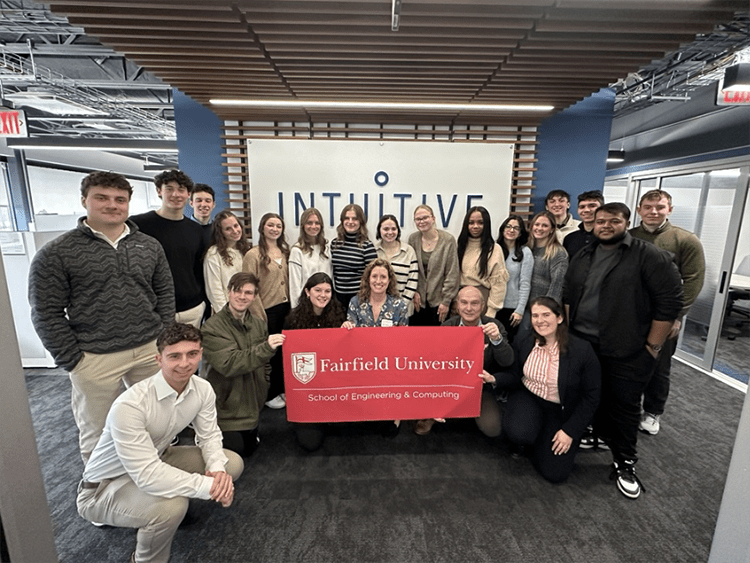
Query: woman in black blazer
x=560 y=382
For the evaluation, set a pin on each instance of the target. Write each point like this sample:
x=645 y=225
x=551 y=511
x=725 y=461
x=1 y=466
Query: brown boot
x=423 y=426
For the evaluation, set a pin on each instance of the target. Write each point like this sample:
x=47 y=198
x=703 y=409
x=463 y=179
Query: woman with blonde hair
x=439 y=274
x=351 y=252
x=550 y=258
x=268 y=261
x=224 y=257
x=308 y=255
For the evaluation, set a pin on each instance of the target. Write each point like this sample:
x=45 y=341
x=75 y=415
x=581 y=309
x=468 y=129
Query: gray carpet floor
x=451 y=496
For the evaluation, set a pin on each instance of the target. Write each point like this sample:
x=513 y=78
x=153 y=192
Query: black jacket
x=497 y=357
x=579 y=381
x=644 y=285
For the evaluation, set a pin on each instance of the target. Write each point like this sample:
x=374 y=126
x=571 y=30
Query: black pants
x=532 y=421
x=426 y=316
x=242 y=442
x=503 y=315
x=276 y=316
x=344 y=299
x=616 y=420
x=657 y=390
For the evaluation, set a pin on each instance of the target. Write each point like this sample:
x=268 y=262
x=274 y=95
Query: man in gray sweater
x=100 y=295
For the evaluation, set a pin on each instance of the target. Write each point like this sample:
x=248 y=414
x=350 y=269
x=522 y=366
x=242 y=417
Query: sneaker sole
x=628 y=493
x=649 y=432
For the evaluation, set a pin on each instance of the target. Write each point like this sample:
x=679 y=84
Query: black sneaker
x=592 y=442
x=628 y=482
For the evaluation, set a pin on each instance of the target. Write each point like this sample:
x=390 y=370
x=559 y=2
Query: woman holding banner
x=224 y=258
x=308 y=255
x=315 y=309
x=560 y=382
x=439 y=275
x=481 y=260
x=269 y=263
x=351 y=252
x=378 y=304
x=401 y=256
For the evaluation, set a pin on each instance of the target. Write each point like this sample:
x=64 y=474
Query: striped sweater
x=349 y=262
x=404 y=264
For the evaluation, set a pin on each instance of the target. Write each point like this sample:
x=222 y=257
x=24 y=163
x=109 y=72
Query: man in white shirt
x=134 y=478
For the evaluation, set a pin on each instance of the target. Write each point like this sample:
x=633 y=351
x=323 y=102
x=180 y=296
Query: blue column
x=199 y=142
x=573 y=147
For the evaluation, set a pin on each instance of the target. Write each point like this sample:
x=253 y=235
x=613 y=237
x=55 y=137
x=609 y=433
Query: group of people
x=580 y=319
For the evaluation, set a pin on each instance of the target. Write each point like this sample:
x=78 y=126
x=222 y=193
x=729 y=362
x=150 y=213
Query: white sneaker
x=277 y=402
x=649 y=423
x=627 y=481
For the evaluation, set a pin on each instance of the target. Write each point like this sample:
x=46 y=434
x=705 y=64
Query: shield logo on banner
x=304 y=366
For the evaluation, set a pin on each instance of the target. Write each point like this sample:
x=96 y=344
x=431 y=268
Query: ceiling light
x=72 y=143
x=616 y=156
x=737 y=77
x=299 y=104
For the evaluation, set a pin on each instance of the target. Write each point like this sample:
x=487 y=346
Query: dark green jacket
x=238 y=354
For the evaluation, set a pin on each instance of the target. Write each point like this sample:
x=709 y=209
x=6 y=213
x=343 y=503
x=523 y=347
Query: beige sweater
x=494 y=281
x=440 y=283
x=274 y=282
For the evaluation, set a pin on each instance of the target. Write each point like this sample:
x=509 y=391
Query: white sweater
x=302 y=266
x=217 y=275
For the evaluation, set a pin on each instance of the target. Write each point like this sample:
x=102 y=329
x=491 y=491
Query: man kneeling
x=134 y=478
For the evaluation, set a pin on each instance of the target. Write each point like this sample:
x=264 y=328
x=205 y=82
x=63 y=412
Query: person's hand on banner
x=487 y=377
x=276 y=340
x=492 y=331
x=348 y=325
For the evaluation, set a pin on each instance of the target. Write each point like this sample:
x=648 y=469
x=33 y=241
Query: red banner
x=383 y=373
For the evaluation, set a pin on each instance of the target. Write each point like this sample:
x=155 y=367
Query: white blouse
x=217 y=275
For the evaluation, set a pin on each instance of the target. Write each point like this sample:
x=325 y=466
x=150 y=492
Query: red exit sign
x=733 y=97
x=13 y=124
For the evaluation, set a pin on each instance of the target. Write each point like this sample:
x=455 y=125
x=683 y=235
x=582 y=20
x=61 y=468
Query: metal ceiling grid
x=460 y=51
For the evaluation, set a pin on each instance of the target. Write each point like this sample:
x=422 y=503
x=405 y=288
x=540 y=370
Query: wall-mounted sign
x=13 y=123
x=731 y=97
x=288 y=176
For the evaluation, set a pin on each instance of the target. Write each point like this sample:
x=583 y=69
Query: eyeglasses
x=422 y=219
x=512 y=228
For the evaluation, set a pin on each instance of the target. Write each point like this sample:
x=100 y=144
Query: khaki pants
x=192 y=316
x=97 y=381
x=119 y=502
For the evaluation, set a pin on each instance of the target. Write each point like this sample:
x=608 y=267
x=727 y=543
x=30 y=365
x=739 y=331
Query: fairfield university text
x=398 y=362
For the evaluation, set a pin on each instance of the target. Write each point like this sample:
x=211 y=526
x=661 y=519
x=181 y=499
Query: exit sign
x=13 y=123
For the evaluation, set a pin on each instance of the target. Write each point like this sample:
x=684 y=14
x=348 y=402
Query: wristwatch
x=655 y=347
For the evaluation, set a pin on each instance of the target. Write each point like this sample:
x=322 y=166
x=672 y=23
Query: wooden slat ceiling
x=445 y=51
